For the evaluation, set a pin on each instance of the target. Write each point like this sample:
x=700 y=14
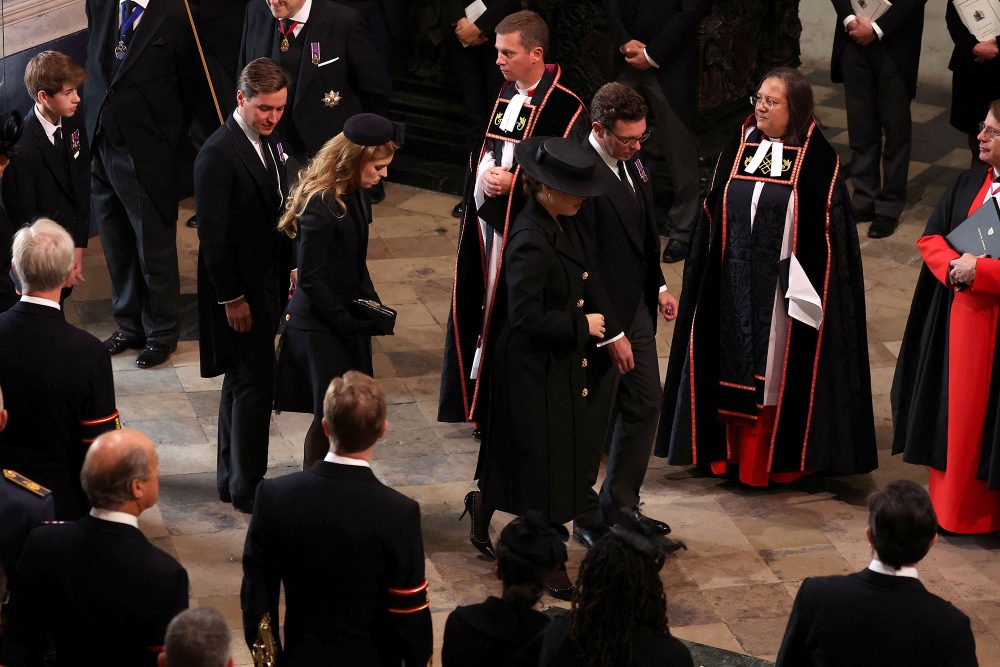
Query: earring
x=548 y=196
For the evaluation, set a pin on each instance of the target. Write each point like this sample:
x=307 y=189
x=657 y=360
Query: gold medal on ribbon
x=284 y=43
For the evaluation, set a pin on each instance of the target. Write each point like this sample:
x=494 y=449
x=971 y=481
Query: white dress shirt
x=878 y=566
x=878 y=30
x=333 y=457
x=252 y=135
x=41 y=302
x=116 y=517
x=50 y=129
x=301 y=17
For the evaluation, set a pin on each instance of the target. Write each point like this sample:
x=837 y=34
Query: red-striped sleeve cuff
x=94 y=427
x=408 y=600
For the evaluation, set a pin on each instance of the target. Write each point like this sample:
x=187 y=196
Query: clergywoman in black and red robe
x=946 y=391
x=769 y=368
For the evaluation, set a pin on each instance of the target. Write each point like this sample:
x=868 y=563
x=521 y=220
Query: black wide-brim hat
x=562 y=164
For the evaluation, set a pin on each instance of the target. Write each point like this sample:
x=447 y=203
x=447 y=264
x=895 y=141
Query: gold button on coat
x=287 y=317
x=584 y=362
x=585 y=275
x=584 y=393
x=579 y=304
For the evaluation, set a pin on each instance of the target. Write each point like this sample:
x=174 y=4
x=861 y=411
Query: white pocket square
x=327 y=62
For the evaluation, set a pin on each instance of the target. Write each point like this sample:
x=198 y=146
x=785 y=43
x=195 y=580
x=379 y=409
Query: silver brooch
x=332 y=98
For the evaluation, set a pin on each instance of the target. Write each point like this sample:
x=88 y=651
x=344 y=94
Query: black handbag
x=382 y=318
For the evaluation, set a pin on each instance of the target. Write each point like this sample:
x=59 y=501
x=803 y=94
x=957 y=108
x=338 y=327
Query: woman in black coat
x=536 y=452
x=329 y=211
x=506 y=630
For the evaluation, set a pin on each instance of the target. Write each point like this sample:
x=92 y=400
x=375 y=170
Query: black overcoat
x=238 y=203
x=973 y=85
x=493 y=633
x=536 y=431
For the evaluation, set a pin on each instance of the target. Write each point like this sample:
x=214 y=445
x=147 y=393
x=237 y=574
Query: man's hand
x=238 y=314
x=468 y=34
x=862 y=31
x=963 y=269
x=984 y=51
x=639 y=61
x=631 y=48
x=668 y=305
x=621 y=355
x=76 y=273
x=496 y=181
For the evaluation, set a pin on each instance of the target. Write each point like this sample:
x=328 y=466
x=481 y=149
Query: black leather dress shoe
x=882 y=227
x=864 y=216
x=121 y=341
x=588 y=536
x=153 y=354
x=675 y=251
x=242 y=504
x=661 y=527
x=377 y=193
x=225 y=496
x=459 y=210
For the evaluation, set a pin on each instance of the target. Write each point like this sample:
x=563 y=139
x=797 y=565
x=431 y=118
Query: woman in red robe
x=949 y=346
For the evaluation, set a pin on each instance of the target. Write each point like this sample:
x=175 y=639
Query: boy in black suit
x=50 y=176
x=347 y=548
x=882 y=615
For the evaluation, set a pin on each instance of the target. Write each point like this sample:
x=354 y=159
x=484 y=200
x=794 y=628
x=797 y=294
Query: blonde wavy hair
x=335 y=169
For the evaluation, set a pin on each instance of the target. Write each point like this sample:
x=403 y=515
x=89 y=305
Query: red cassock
x=963 y=503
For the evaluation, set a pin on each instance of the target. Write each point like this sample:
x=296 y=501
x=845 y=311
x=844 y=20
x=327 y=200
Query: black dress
x=322 y=340
x=533 y=453
x=653 y=648
x=493 y=632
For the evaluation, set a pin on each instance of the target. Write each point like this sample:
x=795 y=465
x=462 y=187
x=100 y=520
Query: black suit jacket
x=622 y=247
x=145 y=103
x=974 y=85
x=59 y=394
x=238 y=203
x=41 y=181
x=902 y=28
x=8 y=293
x=349 y=552
x=873 y=619
x=333 y=271
x=669 y=29
x=101 y=589
x=341 y=35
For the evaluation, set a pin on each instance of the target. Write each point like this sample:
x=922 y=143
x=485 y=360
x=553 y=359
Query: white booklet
x=871 y=9
x=474 y=10
x=981 y=17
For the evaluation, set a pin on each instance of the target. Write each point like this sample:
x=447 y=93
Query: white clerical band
x=776 y=154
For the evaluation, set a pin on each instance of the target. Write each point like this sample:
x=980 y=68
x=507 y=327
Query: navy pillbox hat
x=369 y=129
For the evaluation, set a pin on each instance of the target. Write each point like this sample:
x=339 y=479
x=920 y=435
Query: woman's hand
x=984 y=51
x=595 y=324
x=293 y=282
x=963 y=269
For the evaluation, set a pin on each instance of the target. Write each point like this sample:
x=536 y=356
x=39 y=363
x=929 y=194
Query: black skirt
x=309 y=360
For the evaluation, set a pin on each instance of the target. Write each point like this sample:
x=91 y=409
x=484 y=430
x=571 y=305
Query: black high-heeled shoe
x=479 y=531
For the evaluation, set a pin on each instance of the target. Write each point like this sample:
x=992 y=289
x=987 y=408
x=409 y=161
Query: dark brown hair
x=530 y=26
x=52 y=71
x=262 y=76
x=355 y=409
x=800 y=102
x=531 y=185
x=614 y=102
x=903 y=523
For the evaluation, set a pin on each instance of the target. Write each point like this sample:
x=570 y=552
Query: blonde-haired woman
x=328 y=212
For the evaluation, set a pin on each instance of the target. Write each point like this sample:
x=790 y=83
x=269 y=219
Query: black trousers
x=878 y=103
x=631 y=404
x=245 y=414
x=139 y=245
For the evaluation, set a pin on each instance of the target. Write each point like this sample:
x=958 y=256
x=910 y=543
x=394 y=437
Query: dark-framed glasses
x=769 y=102
x=990 y=133
x=632 y=141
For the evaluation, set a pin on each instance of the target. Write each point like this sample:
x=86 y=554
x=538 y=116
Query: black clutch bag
x=980 y=233
x=382 y=318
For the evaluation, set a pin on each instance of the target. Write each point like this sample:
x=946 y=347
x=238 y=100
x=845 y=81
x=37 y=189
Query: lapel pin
x=642 y=171
x=74 y=143
x=314 y=48
x=332 y=98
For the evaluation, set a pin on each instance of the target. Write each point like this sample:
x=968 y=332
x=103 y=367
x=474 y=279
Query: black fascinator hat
x=536 y=540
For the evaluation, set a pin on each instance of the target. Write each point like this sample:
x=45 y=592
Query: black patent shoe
x=675 y=251
x=479 y=531
x=653 y=525
x=152 y=355
x=588 y=536
x=882 y=227
x=120 y=341
x=459 y=210
x=559 y=586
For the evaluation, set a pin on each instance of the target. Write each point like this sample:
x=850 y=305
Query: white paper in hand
x=980 y=17
x=474 y=10
x=871 y=9
x=804 y=303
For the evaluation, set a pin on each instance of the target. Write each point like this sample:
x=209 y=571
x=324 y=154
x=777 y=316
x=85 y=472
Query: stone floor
x=748 y=550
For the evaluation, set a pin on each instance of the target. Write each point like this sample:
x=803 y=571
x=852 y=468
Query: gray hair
x=42 y=255
x=110 y=486
x=197 y=637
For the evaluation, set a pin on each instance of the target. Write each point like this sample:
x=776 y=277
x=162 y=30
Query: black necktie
x=58 y=138
x=270 y=163
x=624 y=176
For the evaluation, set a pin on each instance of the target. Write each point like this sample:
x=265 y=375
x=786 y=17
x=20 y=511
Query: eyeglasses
x=631 y=141
x=770 y=102
x=989 y=132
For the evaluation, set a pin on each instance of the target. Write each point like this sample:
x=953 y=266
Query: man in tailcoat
x=336 y=72
x=877 y=62
x=142 y=79
x=882 y=615
x=57 y=379
x=347 y=549
x=102 y=591
x=619 y=236
x=240 y=188
x=657 y=44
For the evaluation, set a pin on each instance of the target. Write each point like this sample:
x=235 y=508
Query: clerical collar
x=608 y=160
x=333 y=457
x=251 y=133
x=530 y=90
x=878 y=566
x=49 y=128
x=303 y=14
x=115 y=517
x=41 y=302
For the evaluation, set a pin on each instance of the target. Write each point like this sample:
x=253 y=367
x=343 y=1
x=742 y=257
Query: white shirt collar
x=117 y=517
x=608 y=160
x=878 y=566
x=532 y=88
x=41 y=302
x=142 y=3
x=303 y=14
x=252 y=134
x=49 y=128
x=332 y=457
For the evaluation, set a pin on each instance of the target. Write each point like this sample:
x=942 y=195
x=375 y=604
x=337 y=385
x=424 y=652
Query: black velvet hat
x=536 y=541
x=563 y=165
x=369 y=129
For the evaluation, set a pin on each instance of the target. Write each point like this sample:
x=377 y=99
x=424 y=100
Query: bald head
x=121 y=472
